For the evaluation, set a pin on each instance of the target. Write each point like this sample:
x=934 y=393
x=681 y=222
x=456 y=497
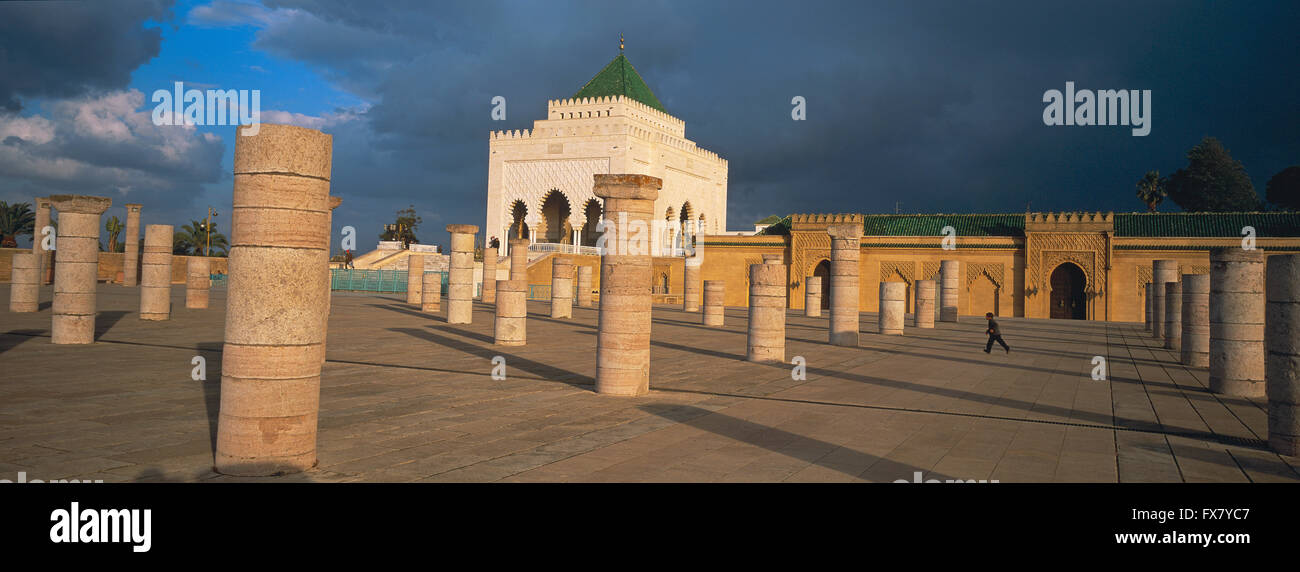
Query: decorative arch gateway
x=809 y=245
x=531 y=182
x=1052 y=239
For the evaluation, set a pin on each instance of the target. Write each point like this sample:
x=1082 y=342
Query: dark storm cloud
x=935 y=105
x=66 y=49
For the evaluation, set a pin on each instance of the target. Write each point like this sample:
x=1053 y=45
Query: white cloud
x=105 y=143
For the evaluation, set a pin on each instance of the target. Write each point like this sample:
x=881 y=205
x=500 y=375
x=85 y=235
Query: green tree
x=404 y=227
x=15 y=219
x=1212 y=181
x=193 y=240
x=1151 y=190
x=114 y=228
x=1283 y=189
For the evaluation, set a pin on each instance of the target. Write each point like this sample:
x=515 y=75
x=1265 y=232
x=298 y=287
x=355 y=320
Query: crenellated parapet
x=1070 y=222
x=819 y=222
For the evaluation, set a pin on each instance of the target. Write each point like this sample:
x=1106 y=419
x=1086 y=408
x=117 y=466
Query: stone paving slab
x=406 y=397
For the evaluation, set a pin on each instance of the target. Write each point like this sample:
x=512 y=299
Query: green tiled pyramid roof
x=1206 y=224
x=932 y=224
x=620 y=78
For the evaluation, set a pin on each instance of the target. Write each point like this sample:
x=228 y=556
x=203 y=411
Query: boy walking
x=995 y=335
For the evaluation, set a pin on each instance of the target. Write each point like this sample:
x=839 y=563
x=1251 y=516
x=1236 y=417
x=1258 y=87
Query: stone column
x=329 y=274
x=1236 y=322
x=512 y=312
x=949 y=290
x=1282 y=363
x=1195 y=338
x=812 y=296
x=519 y=259
x=78 y=267
x=414 y=278
x=431 y=292
x=276 y=306
x=1147 y=297
x=1173 y=315
x=562 y=271
x=1162 y=272
x=691 y=285
x=623 y=337
x=714 y=303
x=489 y=295
x=131 y=250
x=198 y=281
x=584 y=286
x=893 y=308
x=846 y=253
x=156 y=273
x=460 y=275
x=44 y=258
x=766 y=343
x=24 y=291
x=924 y=315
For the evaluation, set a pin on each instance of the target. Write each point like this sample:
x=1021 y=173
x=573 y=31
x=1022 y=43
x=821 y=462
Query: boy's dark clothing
x=995 y=335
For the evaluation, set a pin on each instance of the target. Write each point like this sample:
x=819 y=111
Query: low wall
x=110 y=264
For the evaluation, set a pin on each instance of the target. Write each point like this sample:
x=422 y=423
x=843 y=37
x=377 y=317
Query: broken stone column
x=78 y=267
x=584 y=286
x=1173 y=315
x=1282 y=362
x=489 y=295
x=623 y=337
x=431 y=292
x=1162 y=272
x=924 y=315
x=198 y=282
x=24 y=291
x=460 y=275
x=414 y=278
x=131 y=243
x=562 y=271
x=511 y=324
x=846 y=253
x=519 y=259
x=893 y=308
x=812 y=296
x=276 y=306
x=156 y=273
x=1146 y=288
x=1236 y=322
x=949 y=289
x=766 y=340
x=691 y=285
x=1195 y=338
x=44 y=258
x=714 y=303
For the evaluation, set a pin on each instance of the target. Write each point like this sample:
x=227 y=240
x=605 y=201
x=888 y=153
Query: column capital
x=628 y=186
x=83 y=204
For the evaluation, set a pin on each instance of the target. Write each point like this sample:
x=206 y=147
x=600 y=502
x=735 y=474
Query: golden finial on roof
x=620 y=43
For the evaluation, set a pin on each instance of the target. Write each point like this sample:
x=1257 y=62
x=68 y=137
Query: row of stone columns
x=1242 y=321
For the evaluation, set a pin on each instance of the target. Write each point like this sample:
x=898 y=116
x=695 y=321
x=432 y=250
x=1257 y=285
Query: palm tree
x=193 y=239
x=114 y=228
x=15 y=219
x=1151 y=190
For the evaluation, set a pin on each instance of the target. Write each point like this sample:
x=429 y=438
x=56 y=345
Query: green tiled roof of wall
x=1206 y=224
x=932 y=224
x=620 y=78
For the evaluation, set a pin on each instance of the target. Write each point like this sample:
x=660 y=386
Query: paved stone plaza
x=407 y=397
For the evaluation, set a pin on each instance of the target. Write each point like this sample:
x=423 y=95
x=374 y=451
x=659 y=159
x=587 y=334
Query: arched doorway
x=589 y=233
x=823 y=271
x=518 y=228
x=555 y=219
x=1067 y=298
